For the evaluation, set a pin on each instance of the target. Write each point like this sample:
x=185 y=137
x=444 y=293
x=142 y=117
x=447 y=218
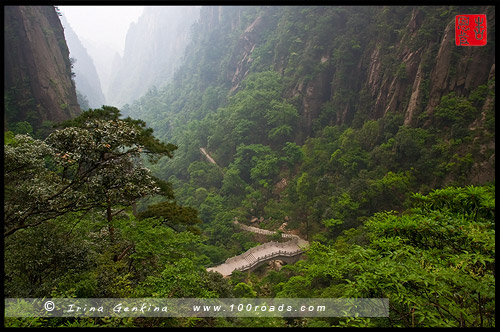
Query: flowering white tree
x=94 y=162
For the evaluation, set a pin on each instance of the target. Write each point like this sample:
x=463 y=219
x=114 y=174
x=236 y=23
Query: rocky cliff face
x=405 y=69
x=86 y=78
x=437 y=66
x=347 y=65
x=340 y=66
x=153 y=50
x=37 y=80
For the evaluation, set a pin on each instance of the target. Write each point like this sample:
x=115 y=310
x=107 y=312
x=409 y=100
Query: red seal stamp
x=470 y=30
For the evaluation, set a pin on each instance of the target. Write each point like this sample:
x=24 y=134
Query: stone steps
x=262 y=253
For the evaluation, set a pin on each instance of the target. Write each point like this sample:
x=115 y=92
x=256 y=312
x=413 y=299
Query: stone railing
x=279 y=253
x=264 y=231
x=262 y=253
x=253 y=252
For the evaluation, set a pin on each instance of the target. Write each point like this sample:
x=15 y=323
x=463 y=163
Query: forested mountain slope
x=325 y=113
x=363 y=130
x=37 y=80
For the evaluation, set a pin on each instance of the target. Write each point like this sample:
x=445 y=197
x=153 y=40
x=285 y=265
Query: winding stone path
x=210 y=159
x=205 y=153
x=263 y=253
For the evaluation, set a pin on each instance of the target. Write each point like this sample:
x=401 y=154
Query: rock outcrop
x=38 y=83
x=405 y=71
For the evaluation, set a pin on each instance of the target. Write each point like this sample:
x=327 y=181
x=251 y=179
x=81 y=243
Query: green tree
x=244 y=290
x=94 y=162
x=36 y=260
x=173 y=215
x=410 y=144
x=282 y=118
x=180 y=279
x=454 y=109
x=293 y=154
x=435 y=262
x=203 y=174
x=29 y=186
x=22 y=128
x=233 y=184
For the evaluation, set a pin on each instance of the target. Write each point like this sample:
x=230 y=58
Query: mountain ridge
x=153 y=48
x=86 y=78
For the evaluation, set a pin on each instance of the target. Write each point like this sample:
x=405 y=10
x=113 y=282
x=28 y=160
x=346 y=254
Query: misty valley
x=264 y=166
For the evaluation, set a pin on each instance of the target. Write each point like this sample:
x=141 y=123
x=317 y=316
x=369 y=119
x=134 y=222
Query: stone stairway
x=260 y=254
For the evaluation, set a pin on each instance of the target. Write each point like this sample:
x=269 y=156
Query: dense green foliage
x=69 y=227
x=391 y=209
x=270 y=161
x=435 y=262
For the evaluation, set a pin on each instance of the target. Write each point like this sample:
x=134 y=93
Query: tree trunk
x=134 y=209
x=109 y=216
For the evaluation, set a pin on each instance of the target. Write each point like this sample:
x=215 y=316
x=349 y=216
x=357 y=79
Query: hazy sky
x=107 y=24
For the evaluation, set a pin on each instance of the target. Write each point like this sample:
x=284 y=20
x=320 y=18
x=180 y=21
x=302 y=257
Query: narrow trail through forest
x=210 y=159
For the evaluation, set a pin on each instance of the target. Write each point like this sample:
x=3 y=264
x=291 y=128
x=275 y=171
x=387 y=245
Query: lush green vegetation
x=100 y=207
x=434 y=261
